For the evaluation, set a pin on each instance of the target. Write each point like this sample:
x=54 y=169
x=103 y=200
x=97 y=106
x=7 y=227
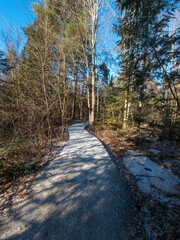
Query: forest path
x=79 y=196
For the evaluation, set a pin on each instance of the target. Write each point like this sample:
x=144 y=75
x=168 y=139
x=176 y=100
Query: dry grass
x=21 y=160
x=152 y=220
x=22 y=154
x=120 y=140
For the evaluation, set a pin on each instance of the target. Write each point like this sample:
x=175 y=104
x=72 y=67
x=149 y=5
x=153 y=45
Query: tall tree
x=145 y=46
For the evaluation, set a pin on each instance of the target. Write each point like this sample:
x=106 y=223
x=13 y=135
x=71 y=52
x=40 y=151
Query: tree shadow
x=80 y=195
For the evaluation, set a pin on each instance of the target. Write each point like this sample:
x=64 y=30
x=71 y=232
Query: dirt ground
x=79 y=195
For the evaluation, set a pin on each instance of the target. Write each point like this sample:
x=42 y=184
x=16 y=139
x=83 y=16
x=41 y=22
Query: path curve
x=79 y=196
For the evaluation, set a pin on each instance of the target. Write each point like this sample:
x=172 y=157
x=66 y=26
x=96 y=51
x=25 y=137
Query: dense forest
x=64 y=74
x=59 y=76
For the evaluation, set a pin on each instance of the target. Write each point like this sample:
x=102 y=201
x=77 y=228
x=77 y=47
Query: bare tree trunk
x=125 y=114
x=75 y=93
x=64 y=93
x=81 y=101
x=98 y=83
x=97 y=100
x=139 y=122
x=126 y=110
x=94 y=16
x=92 y=111
x=62 y=118
x=47 y=104
x=88 y=87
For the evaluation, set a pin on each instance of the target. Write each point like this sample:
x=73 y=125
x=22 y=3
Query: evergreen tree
x=146 y=48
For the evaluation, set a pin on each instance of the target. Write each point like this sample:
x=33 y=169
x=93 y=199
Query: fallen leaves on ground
x=151 y=219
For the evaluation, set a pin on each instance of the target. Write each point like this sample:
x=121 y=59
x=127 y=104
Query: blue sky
x=14 y=14
x=108 y=39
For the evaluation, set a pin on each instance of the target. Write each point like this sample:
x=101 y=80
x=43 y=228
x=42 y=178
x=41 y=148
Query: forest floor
x=151 y=218
x=79 y=195
x=21 y=161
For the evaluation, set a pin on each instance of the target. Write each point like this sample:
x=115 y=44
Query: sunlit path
x=80 y=195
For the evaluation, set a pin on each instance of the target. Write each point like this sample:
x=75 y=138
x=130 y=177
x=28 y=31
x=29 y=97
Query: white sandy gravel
x=79 y=196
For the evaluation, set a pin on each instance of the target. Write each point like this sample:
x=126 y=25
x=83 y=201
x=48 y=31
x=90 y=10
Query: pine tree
x=146 y=48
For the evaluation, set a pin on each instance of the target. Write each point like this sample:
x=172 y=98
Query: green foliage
x=51 y=79
x=146 y=53
x=4 y=63
x=104 y=71
x=147 y=90
x=15 y=158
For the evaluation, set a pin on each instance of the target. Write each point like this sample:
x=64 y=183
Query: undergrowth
x=22 y=154
x=151 y=219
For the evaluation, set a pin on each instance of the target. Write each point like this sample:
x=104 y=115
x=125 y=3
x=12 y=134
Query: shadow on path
x=79 y=196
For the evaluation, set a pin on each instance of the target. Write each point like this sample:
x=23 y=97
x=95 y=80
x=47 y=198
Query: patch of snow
x=76 y=190
x=152 y=178
x=133 y=153
x=155 y=151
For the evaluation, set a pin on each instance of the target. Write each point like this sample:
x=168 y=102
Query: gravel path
x=79 y=196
